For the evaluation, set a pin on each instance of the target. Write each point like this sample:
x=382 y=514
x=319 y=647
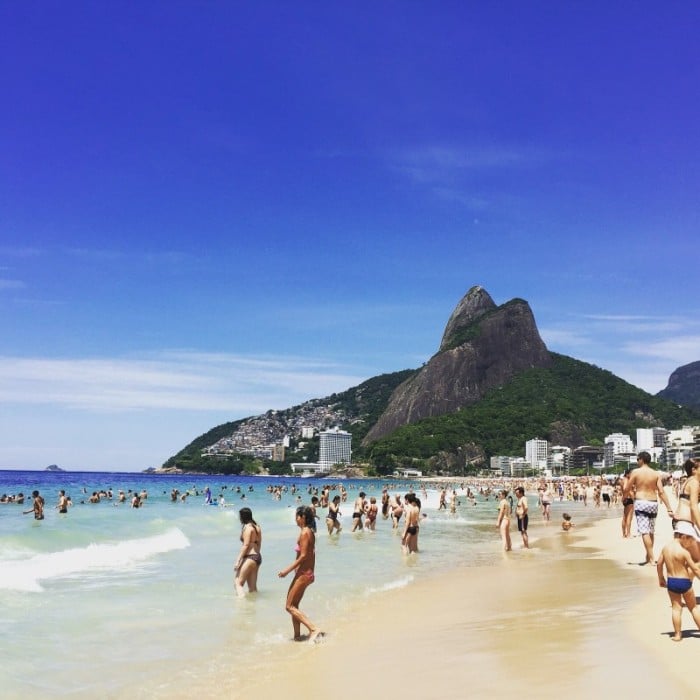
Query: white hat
x=684 y=527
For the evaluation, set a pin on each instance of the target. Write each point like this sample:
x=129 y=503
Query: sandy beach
x=574 y=617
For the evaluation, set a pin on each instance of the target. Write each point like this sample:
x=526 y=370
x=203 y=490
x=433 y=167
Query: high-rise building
x=649 y=438
x=334 y=448
x=536 y=451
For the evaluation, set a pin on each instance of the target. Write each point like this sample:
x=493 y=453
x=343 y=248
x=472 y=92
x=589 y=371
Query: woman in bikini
x=503 y=521
x=303 y=568
x=249 y=558
x=688 y=508
x=332 y=522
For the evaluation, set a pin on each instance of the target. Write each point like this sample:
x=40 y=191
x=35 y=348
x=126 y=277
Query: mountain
x=491 y=386
x=684 y=386
x=484 y=346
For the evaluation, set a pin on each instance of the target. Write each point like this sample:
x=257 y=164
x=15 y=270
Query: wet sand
x=574 y=617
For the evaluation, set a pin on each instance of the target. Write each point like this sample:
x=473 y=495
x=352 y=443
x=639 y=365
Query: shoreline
x=574 y=616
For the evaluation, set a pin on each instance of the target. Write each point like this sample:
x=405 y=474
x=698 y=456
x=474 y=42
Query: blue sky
x=211 y=209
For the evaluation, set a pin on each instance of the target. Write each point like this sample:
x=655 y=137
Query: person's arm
x=501 y=512
x=693 y=501
x=693 y=566
x=660 y=571
x=662 y=495
x=245 y=547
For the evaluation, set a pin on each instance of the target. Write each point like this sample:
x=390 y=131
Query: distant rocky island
x=54 y=468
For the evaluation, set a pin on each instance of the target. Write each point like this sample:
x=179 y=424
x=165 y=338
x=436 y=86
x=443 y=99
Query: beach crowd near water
x=627 y=507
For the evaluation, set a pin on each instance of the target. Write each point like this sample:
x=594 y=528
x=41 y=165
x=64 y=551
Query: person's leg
x=676 y=615
x=294 y=596
x=253 y=577
x=691 y=604
x=242 y=577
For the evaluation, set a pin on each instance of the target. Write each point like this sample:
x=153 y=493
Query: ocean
x=108 y=601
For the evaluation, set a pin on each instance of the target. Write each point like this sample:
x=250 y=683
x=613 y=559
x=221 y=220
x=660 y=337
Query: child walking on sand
x=680 y=569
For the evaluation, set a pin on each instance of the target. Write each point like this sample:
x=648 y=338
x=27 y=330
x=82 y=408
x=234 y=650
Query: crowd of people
x=637 y=493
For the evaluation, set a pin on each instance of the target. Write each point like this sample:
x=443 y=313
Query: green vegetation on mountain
x=359 y=406
x=570 y=403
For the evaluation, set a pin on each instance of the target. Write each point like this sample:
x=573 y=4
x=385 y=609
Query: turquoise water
x=108 y=598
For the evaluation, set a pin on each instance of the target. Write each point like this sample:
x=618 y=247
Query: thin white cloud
x=12 y=284
x=179 y=381
x=679 y=349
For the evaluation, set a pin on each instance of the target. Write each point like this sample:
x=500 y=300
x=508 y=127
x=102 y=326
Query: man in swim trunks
x=62 y=502
x=358 y=511
x=645 y=486
x=680 y=569
x=409 y=540
x=37 y=506
x=521 y=511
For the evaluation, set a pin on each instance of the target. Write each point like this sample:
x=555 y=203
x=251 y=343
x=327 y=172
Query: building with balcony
x=334 y=447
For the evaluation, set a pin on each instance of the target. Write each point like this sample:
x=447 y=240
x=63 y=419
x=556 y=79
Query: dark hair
x=246 y=516
x=336 y=498
x=306 y=513
x=520 y=489
x=689 y=465
x=645 y=457
x=362 y=494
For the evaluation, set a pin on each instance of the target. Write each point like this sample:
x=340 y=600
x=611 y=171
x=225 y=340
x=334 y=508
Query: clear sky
x=212 y=209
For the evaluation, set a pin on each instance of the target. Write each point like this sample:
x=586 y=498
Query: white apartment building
x=536 y=452
x=334 y=448
x=650 y=438
x=680 y=446
x=618 y=448
x=559 y=459
x=502 y=464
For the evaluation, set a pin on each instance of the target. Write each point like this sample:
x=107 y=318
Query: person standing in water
x=62 y=504
x=503 y=521
x=332 y=522
x=411 y=527
x=303 y=568
x=249 y=557
x=37 y=506
x=358 y=511
x=521 y=511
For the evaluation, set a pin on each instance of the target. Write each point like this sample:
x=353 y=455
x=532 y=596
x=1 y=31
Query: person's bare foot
x=315 y=635
x=676 y=639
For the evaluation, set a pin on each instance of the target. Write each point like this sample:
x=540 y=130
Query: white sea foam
x=26 y=574
x=390 y=585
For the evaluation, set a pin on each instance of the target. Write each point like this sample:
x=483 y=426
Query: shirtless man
x=411 y=527
x=37 y=506
x=521 y=511
x=62 y=504
x=680 y=570
x=644 y=485
x=358 y=511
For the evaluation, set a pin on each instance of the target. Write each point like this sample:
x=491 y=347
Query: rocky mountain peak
x=483 y=347
x=684 y=386
x=474 y=303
